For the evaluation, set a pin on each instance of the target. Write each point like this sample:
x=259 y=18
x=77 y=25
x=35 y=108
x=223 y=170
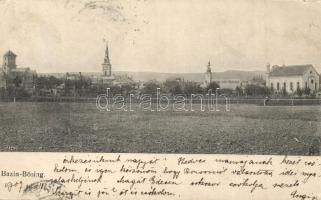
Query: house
x=289 y=78
x=10 y=71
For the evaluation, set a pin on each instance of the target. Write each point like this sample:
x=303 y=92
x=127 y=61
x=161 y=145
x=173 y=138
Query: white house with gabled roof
x=291 y=77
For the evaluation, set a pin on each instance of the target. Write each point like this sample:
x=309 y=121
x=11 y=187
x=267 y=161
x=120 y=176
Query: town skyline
x=150 y=36
x=98 y=70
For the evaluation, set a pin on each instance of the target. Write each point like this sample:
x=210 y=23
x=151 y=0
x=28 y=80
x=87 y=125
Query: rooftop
x=10 y=53
x=291 y=70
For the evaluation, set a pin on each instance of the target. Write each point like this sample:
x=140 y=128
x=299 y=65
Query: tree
x=255 y=90
x=3 y=92
x=299 y=92
x=173 y=86
x=226 y=91
x=150 y=87
x=239 y=91
x=81 y=85
x=41 y=83
x=53 y=82
x=270 y=91
x=48 y=82
x=17 y=81
x=307 y=91
x=14 y=88
x=284 y=92
x=213 y=85
x=192 y=88
x=70 y=87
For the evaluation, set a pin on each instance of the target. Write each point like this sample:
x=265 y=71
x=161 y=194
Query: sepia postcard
x=160 y=99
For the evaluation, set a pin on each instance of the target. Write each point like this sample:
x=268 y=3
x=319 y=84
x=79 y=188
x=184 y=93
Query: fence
x=277 y=102
x=221 y=100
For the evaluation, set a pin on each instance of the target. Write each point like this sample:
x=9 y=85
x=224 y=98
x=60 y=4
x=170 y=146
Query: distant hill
x=198 y=77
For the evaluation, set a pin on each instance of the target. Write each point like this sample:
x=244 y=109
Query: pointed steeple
x=106 y=65
x=106 y=59
x=208 y=74
x=209 y=67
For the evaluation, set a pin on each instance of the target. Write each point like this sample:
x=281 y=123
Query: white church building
x=291 y=77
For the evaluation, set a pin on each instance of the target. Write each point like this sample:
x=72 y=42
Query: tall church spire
x=208 y=74
x=106 y=60
x=106 y=65
x=209 y=66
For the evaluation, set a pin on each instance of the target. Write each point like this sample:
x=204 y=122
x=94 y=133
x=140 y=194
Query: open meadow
x=81 y=127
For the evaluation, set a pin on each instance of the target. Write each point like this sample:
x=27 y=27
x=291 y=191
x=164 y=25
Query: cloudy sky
x=161 y=35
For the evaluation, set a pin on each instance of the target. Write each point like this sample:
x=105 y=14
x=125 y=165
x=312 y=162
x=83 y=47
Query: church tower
x=106 y=65
x=208 y=74
x=9 y=62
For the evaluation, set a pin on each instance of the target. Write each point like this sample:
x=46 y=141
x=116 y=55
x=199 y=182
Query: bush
x=226 y=91
x=299 y=92
x=284 y=92
x=239 y=91
x=307 y=91
x=173 y=86
x=150 y=87
x=255 y=90
x=213 y=85
x=192 y=88
x=12 y=91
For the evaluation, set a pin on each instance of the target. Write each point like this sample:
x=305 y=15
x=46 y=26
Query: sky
x=167 y=36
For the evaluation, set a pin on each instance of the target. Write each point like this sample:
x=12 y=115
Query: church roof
x=292 y=70
x=10 y=53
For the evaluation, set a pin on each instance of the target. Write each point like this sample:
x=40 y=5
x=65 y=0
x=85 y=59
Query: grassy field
x=246 y=129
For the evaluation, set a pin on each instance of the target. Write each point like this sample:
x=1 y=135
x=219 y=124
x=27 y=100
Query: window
x=306 y=84
x=277 y=85
x=291 y=86
x=310 y=72
x=284 y=85
x=298 y=84
x=311 y=81
x=272 y=86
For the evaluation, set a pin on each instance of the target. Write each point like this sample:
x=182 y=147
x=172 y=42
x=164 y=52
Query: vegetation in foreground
x=246 y=129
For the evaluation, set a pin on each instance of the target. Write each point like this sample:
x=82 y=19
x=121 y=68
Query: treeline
x=14 y=88
x=80 y=87
x=175 y=87
x=84 y=87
